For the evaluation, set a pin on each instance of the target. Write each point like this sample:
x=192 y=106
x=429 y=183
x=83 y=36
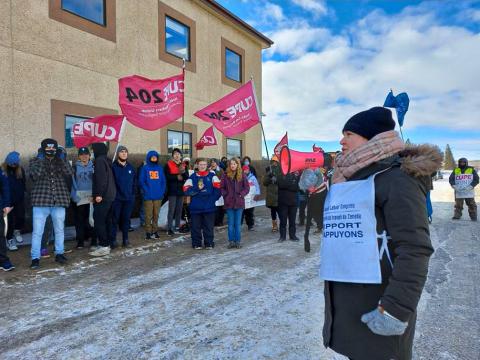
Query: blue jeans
x=40 y=215
x=234 y=224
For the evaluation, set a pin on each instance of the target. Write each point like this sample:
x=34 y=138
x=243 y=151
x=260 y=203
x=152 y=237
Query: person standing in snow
x=176 y=174
x=254 y=194
x=270 y=182
x=463 y=179
x=376 y=244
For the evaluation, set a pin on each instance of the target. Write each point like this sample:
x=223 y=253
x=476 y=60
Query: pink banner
x=235 y=113
x=208 y=139
x=99 y=129
x=151 y=104
x=283 y=142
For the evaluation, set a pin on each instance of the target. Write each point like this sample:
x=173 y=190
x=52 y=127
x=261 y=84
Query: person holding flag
x=270 y=182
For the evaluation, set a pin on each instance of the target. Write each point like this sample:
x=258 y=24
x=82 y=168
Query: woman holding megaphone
x=376 y=244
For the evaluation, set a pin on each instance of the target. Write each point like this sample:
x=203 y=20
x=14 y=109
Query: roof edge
x=235 y=19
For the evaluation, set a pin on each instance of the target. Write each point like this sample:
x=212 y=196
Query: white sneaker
x=101 y=251
x=11 y=245
x=18 y=236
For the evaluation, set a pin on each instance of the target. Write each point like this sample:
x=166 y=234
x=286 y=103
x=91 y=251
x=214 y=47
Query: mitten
x=383 y=324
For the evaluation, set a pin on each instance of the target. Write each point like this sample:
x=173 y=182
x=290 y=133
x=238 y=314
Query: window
x=69 y=121
x=93 y=10
x=177 y=37
x=234 y=148
x=97 y=17
x=174 y=139
x=233 y=64
x=65 y=114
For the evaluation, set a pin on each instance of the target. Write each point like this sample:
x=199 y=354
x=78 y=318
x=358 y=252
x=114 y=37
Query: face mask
x=246 y=162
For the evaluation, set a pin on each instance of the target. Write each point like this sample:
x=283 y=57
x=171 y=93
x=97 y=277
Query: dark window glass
x=234 y=148
x=177 y=38
x=69 y=121
x=233 y=65
x=175 y=141
x=93 y=10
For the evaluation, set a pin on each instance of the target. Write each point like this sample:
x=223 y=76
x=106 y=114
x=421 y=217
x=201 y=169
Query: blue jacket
x=4 y=191
x=152 y=179
x=202 y=201
x=125 y=179
x=16 y=186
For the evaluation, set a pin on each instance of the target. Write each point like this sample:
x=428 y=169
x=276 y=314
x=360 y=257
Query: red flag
x=235 y=113
x=208 y=139
x=280 y=145
x=151 y=104
x=316 y=148
x=99 y=129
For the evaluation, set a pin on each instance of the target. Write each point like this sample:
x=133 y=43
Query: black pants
x=16 y=218
x=274 y=212
x=286 y=212
x=121 y=212
x=301 y=211
x=315 y=207
x=202 y=224
x=102 y=217
x=249 y=216
x=83 y=230
x=3 y=243
x=219 y=215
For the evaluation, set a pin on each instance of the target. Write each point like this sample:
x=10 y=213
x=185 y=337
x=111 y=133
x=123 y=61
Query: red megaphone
x=291 y=160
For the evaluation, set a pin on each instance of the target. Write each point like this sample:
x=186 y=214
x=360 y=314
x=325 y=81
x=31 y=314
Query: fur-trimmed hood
x=421 y=160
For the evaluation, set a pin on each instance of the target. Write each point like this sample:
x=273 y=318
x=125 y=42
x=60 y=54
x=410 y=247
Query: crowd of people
x=102 y=194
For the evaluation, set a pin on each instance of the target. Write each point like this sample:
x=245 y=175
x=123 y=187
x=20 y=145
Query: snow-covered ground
x=264 y=301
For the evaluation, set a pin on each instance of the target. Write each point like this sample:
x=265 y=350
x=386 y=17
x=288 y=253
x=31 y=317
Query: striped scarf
x=379 y=147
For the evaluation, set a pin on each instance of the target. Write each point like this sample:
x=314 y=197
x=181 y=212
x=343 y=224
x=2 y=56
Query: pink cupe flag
x=235 y=113
x=208 y=139
x=151 y=104
x=99 y=129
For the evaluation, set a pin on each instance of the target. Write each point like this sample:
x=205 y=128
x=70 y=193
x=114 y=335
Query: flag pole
x=183 y=114
x=120 y=136
x=261 y=117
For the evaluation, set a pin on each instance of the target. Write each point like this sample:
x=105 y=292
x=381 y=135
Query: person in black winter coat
x=175 y=174
x=373 y=283
x=5 y=263
x=103 y=192
x=16 y=180
x=288 y=205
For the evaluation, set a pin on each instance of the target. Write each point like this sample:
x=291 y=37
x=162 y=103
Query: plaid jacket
x=50 y=182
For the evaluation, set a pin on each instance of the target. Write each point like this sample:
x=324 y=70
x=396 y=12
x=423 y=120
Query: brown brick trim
x=237 y=49
x=177 y=126
x=107 y=32
x=61 y=108
x=163 y=11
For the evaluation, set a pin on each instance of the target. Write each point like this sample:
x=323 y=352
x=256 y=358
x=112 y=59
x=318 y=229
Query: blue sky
x=332 y=59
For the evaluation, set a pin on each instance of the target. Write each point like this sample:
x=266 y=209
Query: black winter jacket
x=103 y=180
x=400 y=209
x=287 y=189
x=174 y=186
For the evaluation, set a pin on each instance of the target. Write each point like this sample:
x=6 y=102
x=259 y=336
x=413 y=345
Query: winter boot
x=274 y=226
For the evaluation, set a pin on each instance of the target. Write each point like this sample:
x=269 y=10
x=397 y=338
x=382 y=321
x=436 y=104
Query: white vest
x=349 y=251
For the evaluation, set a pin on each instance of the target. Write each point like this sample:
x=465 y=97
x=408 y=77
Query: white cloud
x=329 y=78
x=318 y=7
x=273 y=12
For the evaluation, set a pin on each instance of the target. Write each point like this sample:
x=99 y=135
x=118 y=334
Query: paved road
x=261 y=302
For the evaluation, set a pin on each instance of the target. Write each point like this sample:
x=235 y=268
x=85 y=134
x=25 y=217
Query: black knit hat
x=46 y=143
x=370 y=122
x=177 y=150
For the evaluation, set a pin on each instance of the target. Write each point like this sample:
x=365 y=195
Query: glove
x=383 y=324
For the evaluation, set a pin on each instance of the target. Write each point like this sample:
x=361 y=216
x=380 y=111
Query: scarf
x=379 y=147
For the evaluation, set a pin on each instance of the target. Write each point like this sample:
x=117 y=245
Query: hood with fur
x=421 y=160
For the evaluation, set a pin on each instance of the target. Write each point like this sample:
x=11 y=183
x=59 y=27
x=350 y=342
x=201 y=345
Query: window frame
x=60 y=109
x=165 y=11
x=180 y=147
x=177 y=126
x=107 y=31
x=225 y=44
x=241 y=147
x=83 y=17
x=189 y=47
